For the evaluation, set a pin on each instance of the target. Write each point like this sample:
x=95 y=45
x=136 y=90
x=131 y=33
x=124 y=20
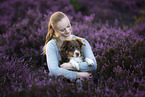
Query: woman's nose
x=67 y=30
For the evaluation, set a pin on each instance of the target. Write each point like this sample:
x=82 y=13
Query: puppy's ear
x=80 y=41
x=63 y=46
x=63 y=51
x=63 y=56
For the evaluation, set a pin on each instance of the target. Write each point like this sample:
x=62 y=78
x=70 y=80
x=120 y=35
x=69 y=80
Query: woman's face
x=63 y=27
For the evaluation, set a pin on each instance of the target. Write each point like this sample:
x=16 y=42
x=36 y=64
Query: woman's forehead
x=63 y=23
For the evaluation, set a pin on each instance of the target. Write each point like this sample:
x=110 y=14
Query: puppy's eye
x=71 y=48
x=77 y=47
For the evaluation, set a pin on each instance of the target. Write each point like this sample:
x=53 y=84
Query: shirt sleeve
x=88 y=53
x=53 y=63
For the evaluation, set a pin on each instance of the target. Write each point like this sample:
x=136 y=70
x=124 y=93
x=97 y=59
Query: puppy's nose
x=77 y=54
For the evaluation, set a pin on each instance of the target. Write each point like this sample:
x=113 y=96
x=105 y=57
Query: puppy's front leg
x=89 y=61
x=74 y=64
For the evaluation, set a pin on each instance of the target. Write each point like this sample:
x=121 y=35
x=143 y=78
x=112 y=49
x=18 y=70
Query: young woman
x=59 y=29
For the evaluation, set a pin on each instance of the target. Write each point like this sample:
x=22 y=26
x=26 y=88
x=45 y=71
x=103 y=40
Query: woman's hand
x=84 y=75
x=67 y=66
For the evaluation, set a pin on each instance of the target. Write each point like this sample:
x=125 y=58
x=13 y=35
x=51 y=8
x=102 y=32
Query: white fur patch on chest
x=77 y=59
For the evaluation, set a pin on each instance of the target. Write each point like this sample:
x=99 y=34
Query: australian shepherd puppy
x=70 y=51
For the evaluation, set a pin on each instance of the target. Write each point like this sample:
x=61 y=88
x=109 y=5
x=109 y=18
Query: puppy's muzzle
x=77 y=54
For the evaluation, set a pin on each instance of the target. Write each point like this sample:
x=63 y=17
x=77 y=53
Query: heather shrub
x=123 y=10
x=109 y=7
x=119 y=53
x=13 y=74
x=16 y=79
x=129 y=5
x=16 y=10
x=139 y=28
x=25 y=38
x=23 y=71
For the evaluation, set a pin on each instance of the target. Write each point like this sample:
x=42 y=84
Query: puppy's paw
x=74 y=64
x=89 y=61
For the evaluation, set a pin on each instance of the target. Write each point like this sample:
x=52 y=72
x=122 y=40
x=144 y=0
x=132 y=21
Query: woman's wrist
x=83 y=75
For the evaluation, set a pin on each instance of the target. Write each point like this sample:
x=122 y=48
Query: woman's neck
x=62 y=38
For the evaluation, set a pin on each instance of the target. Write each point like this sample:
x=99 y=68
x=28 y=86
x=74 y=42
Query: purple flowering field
x=115 y=30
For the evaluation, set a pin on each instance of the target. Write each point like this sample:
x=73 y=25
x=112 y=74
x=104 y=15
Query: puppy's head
x=72 y=48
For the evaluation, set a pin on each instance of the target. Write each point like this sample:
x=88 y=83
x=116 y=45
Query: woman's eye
x=62 y=30
x=68 y=26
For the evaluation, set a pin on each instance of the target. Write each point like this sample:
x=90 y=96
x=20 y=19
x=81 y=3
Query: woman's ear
x=80 y=41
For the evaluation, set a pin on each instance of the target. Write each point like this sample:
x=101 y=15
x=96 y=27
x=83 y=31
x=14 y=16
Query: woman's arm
x=53 y=64
x=88 y=53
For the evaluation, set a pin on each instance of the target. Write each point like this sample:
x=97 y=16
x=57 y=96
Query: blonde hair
x=54 y=19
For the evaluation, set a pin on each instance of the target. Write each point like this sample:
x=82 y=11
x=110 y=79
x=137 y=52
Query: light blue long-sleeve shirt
x=53 y=58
